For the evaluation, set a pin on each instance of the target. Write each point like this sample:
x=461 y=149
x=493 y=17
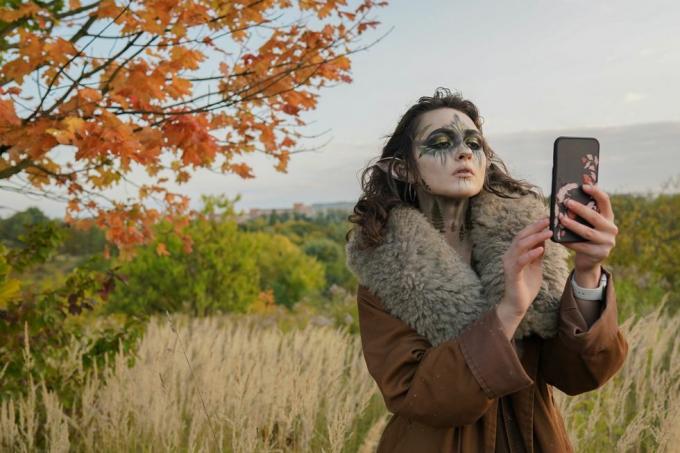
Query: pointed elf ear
x=398 y=169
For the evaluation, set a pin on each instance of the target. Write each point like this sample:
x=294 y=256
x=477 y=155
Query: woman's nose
x=464 y=153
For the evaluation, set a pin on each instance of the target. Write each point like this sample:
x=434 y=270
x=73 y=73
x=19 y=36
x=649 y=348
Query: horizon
x=536 y=145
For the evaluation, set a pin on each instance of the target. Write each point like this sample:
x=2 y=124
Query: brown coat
x=445 y=398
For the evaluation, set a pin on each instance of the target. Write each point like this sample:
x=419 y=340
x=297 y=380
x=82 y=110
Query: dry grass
x=639 y=408
x=212 y=384
x=232 y=384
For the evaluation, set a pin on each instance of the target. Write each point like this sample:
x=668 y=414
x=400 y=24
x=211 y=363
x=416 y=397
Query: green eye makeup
x=445 y=140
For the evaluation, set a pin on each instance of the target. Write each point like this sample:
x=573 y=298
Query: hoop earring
x=409 y=194
x=412 y=192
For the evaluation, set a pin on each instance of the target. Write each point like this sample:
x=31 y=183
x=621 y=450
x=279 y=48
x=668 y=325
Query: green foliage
x=335 y=224
x=286 y=269
x=43 y=320
x=74 y=241
x=298 y=231
x=226 y=271
x=647 y=251
x=332 y=256
x=14 y=226
x=220 y=274
x=36 y=245
x=321 y=237
x=83 y=242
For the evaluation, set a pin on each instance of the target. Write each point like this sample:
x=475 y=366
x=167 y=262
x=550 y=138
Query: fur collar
x=424 y=282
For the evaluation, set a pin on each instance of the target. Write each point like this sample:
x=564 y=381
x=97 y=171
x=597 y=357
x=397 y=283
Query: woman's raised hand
x=523 y=268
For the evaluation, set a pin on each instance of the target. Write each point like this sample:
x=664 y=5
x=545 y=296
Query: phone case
x=575 y=162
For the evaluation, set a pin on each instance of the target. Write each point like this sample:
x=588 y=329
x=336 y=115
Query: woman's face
x=447 y=140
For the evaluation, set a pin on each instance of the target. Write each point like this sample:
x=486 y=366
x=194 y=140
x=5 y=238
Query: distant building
x=298 y=208
x=303 y=209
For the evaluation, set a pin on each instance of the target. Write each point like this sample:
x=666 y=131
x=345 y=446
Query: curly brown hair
x=382 y=192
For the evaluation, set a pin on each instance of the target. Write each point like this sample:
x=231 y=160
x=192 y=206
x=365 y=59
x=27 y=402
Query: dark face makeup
x=445 y=141
x=443 y=132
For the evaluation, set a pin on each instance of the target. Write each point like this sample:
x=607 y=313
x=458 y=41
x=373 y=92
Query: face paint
x=441 y=132
x=425 y=185
x=437 y=217
x=447 y=140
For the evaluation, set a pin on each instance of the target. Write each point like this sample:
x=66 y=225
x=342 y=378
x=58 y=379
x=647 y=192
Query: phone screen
x=575 y=162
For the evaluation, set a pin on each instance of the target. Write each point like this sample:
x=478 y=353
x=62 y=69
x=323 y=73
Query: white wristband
x=590 y=293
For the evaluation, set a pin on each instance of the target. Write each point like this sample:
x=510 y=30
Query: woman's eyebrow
x=467 y=132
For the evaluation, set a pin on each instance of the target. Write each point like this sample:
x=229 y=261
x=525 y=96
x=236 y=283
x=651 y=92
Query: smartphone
x=576 y=161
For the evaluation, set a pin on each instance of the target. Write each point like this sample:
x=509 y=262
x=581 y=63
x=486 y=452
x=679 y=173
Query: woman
x=467 y=310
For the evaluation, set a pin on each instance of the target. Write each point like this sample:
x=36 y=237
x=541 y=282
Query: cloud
x=633 y=96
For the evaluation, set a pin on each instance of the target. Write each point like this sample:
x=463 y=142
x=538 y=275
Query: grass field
x=240 y=383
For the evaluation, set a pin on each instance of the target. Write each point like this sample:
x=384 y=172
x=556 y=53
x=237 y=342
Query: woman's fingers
x=529 y=256
x=532 y=228
x=527 y=250
x=586 y=232
x=532 y=241
x=602 y=200
x=596 y=219
x=528 y=244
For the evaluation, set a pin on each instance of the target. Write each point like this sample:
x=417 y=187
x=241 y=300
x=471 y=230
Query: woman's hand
x=523 y=268
x=600 y=239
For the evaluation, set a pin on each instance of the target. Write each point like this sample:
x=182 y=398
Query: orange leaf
x=287 y=142
x=59 y=51
x=8 y=116
x=350 y=16
x=185 y=58
x=243 y=170
x=179 y=87
x=161 y=250
x=342 y=62
x=73 y=204
x=11 y=15
x=267 y=137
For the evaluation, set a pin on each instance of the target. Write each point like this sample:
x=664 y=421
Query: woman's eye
x=441 y=145
x=473 y=145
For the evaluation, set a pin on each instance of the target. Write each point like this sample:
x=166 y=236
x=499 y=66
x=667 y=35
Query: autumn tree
x=169 y=85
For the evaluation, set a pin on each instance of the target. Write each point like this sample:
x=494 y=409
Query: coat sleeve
x=451 y=384
x=579 y=359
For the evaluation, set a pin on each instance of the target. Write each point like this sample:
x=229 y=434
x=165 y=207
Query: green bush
x=220 y=274
x=42 y=325
x=226 y=270
x=286 y=269
x=647 y=251
x=332 y=255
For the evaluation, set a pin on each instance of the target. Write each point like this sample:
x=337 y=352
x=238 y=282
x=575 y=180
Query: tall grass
x=638 y=410
x=235 y=383
x=210 y=384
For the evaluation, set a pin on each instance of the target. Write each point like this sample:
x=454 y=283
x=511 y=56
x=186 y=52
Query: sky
x=536 y=70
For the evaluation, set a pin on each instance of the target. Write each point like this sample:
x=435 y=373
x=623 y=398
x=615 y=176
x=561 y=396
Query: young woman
x=468 y=312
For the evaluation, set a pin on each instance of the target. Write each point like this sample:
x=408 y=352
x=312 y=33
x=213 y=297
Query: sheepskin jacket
x=434 y=344
x=422 y=280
